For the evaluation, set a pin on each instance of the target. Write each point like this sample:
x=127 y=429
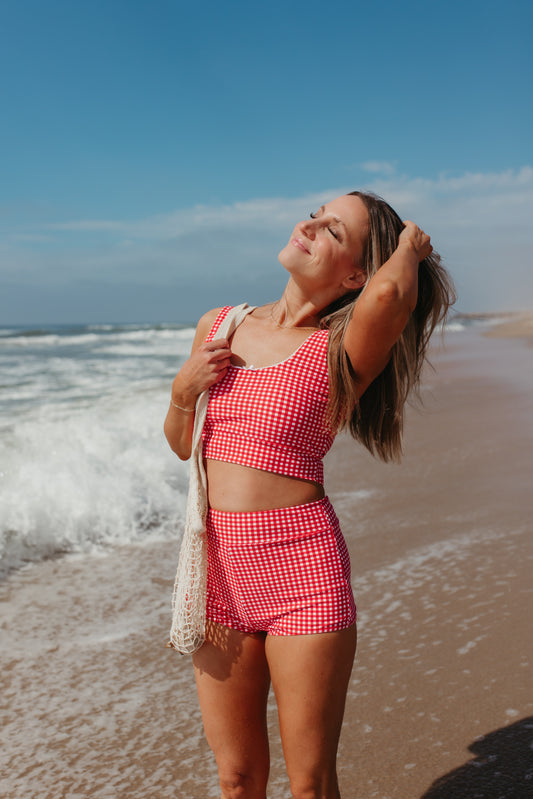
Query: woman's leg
x=233 y=682
x=310 y=675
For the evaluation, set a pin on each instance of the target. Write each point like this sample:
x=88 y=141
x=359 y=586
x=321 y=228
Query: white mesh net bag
x=187 y=632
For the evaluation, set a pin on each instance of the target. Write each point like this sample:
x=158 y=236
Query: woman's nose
x=308 y=226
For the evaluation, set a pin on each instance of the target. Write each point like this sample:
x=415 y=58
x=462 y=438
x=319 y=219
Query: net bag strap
x=187 y=632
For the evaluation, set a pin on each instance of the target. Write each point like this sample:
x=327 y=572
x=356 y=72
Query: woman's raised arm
x=383 y=309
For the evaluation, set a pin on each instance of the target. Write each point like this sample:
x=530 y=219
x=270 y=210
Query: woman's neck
x=284 y=316
x=295 y=310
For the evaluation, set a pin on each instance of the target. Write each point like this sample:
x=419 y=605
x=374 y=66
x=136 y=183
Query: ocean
x=83 y=460
x=84 y=465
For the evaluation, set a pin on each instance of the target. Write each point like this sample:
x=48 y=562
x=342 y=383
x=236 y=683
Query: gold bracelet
x=180 y=408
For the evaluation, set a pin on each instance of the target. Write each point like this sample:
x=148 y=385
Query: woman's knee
x=242 y=783
x=314 y=786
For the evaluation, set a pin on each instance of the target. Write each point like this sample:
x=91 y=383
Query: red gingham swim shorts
x=284 y=571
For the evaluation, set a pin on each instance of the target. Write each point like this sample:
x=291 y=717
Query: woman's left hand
x=414 y=237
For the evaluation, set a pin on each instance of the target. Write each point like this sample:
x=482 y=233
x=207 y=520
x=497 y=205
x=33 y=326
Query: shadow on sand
x=502 y=767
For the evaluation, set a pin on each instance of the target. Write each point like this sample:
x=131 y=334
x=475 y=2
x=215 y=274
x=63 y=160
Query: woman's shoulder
x=211 y=320
x=209 y=317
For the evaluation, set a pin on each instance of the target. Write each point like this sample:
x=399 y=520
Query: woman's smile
x=300 y=245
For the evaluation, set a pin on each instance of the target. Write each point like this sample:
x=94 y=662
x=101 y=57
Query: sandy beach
x=516 y=326
x=440 y=704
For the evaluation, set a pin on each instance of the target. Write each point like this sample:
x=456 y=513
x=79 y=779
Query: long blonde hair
x=376 y=419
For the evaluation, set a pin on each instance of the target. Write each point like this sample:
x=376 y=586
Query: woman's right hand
x=414 y=237
x=207 y=365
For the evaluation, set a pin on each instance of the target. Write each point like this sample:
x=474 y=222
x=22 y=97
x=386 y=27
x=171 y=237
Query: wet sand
x=440 y=702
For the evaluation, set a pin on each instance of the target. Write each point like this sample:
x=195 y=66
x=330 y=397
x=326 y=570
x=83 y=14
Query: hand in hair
x=414 y=237
x=383 y=310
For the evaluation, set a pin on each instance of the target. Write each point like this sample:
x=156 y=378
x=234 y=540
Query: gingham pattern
x=273 y=417
x=284 y=571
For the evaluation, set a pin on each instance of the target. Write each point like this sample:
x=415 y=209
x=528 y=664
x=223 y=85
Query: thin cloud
x=270 y=213
x=509 y=191
x=379 y=167
x=480 y=222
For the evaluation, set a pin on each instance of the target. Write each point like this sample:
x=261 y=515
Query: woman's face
x=326 y=250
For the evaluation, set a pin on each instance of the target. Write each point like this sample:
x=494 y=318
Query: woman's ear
x=355 y=280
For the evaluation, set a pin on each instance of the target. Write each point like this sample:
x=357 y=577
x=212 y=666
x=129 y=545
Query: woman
x=342 y=347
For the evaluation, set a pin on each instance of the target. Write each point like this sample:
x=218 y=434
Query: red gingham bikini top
x=272 y=417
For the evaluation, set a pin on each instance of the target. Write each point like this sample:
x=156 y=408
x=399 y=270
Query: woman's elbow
x=394 y=300
x=178 y=449
x=389 y=293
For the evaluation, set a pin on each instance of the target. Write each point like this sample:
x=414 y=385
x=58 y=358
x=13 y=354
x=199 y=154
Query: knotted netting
x=187 y=632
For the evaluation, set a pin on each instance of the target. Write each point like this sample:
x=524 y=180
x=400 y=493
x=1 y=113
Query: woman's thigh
x=233 y=682
x=310 y=676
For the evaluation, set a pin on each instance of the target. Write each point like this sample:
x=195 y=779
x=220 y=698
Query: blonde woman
x=342 y=347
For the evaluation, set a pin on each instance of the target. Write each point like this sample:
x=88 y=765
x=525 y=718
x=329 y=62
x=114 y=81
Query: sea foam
x=83 y=460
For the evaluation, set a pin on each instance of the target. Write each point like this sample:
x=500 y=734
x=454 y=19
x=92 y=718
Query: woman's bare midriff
x=240 y=489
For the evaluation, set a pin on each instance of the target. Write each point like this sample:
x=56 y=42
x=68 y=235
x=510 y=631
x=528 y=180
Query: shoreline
x=515 y=324
x=519 y=326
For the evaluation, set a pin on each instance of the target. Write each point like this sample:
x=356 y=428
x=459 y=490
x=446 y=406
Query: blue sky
x=156 y=155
